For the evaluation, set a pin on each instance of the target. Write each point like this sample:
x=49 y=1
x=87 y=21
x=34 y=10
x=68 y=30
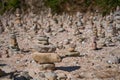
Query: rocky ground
x=60 y=47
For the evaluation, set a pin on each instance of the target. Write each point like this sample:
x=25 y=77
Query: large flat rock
x=46 y=58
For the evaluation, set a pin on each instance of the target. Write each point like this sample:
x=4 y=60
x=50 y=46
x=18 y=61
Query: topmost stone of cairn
x=17 y=12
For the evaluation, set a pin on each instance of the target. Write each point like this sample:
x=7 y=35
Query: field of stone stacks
x=60 y=47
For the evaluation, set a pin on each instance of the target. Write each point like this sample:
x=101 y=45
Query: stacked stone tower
x=18 y=17
x=45 y=53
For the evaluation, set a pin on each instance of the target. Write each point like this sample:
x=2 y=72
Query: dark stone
x=23 y=76
x=1 y=28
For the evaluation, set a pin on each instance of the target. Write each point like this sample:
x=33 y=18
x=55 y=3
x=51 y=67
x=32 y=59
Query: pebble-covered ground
x=89 y=47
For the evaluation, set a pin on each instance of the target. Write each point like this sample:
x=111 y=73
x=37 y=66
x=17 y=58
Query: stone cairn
x=71 y=52
x=13 y=42
x=117 y=21
x=18 y=17
x=45 y=53
x=94 y=36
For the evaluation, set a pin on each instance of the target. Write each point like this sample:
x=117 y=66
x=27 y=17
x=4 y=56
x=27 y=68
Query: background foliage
x=104 y=6
x=55 y=5
x=8 y=5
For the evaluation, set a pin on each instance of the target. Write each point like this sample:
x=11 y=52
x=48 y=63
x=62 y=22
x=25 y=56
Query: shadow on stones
x=98 y=48
x=3 y=64
x=68 y=68
x=7 y=74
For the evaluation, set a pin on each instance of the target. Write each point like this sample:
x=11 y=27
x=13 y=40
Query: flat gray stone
x=45 y=48
x=51 y=76
x=42 y=38
x=72 y=54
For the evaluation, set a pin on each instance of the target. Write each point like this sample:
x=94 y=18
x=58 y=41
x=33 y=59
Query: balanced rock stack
x=18 y=17
x=93 y=43
x=13 y=42
x=43 y=45
x=43 y=40
x=71 y=51
x=45 y=55
x=117 y=21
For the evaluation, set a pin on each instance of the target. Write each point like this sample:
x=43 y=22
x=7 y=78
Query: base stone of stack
x=51 y=76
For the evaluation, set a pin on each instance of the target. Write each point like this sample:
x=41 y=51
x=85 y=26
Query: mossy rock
x=2 y=73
